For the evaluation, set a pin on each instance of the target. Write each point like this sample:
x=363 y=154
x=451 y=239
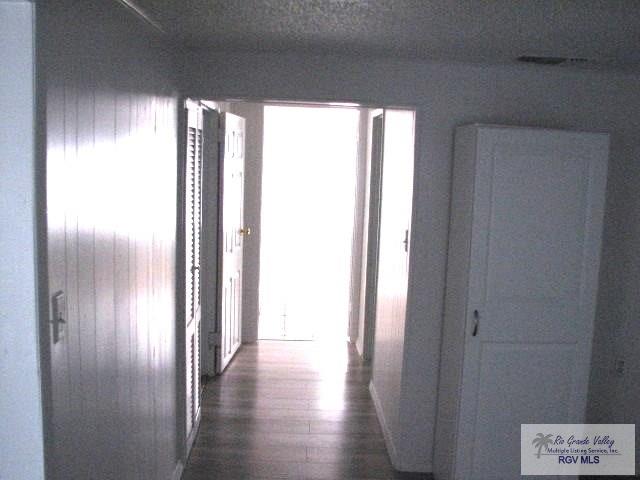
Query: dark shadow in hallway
x=291 y=410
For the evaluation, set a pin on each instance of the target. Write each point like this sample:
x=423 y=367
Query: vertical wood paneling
x=104 y=228
x=71 y=287
x=111 y=195
x=86 y=274
x=57 y=265
x=122 y=282
x=165 y=409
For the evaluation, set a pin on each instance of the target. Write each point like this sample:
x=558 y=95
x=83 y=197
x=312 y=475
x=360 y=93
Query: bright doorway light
x=308 y=195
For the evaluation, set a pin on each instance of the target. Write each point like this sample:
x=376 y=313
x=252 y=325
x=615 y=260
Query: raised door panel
x=537 y=217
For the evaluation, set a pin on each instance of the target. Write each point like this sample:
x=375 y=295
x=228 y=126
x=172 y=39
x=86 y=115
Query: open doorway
x=310 y=157
x=309 y=223
x=323 y=223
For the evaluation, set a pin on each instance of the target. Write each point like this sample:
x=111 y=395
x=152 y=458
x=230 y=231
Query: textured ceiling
x=607 y=31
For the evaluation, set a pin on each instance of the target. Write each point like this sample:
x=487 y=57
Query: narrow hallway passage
x=291 y=410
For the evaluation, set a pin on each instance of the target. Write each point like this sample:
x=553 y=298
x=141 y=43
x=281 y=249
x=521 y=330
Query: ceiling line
x=144 y=16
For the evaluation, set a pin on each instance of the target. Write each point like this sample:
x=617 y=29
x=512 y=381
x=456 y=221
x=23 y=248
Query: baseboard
x=177 y=473
x=191 y=439
x=386 y=433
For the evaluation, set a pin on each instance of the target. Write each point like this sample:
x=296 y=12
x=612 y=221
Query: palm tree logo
x=542 y=441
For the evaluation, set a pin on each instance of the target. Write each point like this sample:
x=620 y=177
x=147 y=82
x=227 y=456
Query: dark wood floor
x=291 y=410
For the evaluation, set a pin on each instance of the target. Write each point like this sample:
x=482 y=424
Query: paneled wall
x=111 y=160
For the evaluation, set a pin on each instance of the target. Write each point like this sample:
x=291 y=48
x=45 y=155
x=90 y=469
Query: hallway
x=291 y=410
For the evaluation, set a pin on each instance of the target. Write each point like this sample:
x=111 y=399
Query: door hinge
x=213 y=339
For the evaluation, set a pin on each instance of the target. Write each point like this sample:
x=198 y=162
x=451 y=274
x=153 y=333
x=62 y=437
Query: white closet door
x=233 y=133
x=537 y=220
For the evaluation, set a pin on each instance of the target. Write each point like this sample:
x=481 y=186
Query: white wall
x=450 y=95
x=111 y=159
x=21 y=456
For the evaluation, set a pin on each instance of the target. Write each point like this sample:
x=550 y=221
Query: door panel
x=111 y=193
x=504 y=388
x=537 y=212
x=232 y=222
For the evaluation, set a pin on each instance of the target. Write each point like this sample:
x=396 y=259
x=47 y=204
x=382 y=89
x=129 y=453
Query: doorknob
x=59 y=315
x=245 y=231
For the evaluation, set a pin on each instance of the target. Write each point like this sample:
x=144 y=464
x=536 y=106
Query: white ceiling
x=607 y=31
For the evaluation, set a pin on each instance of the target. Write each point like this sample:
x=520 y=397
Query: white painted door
x=232 y=137
x=537 y=217
x=394 y=246
x=193 y=233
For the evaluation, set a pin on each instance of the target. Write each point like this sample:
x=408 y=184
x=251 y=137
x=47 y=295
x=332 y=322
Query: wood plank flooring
x=291 y=410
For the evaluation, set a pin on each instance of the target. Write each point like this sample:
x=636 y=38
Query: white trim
x=386 y=432
x=177 y=473
x=21 y=359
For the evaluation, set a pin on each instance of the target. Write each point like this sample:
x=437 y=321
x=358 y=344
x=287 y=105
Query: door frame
x=370 y=284
x=180 y=278
x=184 y=442
x=211 y=237
x=376 y=108
x=357 y=246
x=209 y=264
x=221 y=360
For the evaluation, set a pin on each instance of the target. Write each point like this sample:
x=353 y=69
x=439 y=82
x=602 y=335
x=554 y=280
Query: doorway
x=310 y=156
x=318 y=211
